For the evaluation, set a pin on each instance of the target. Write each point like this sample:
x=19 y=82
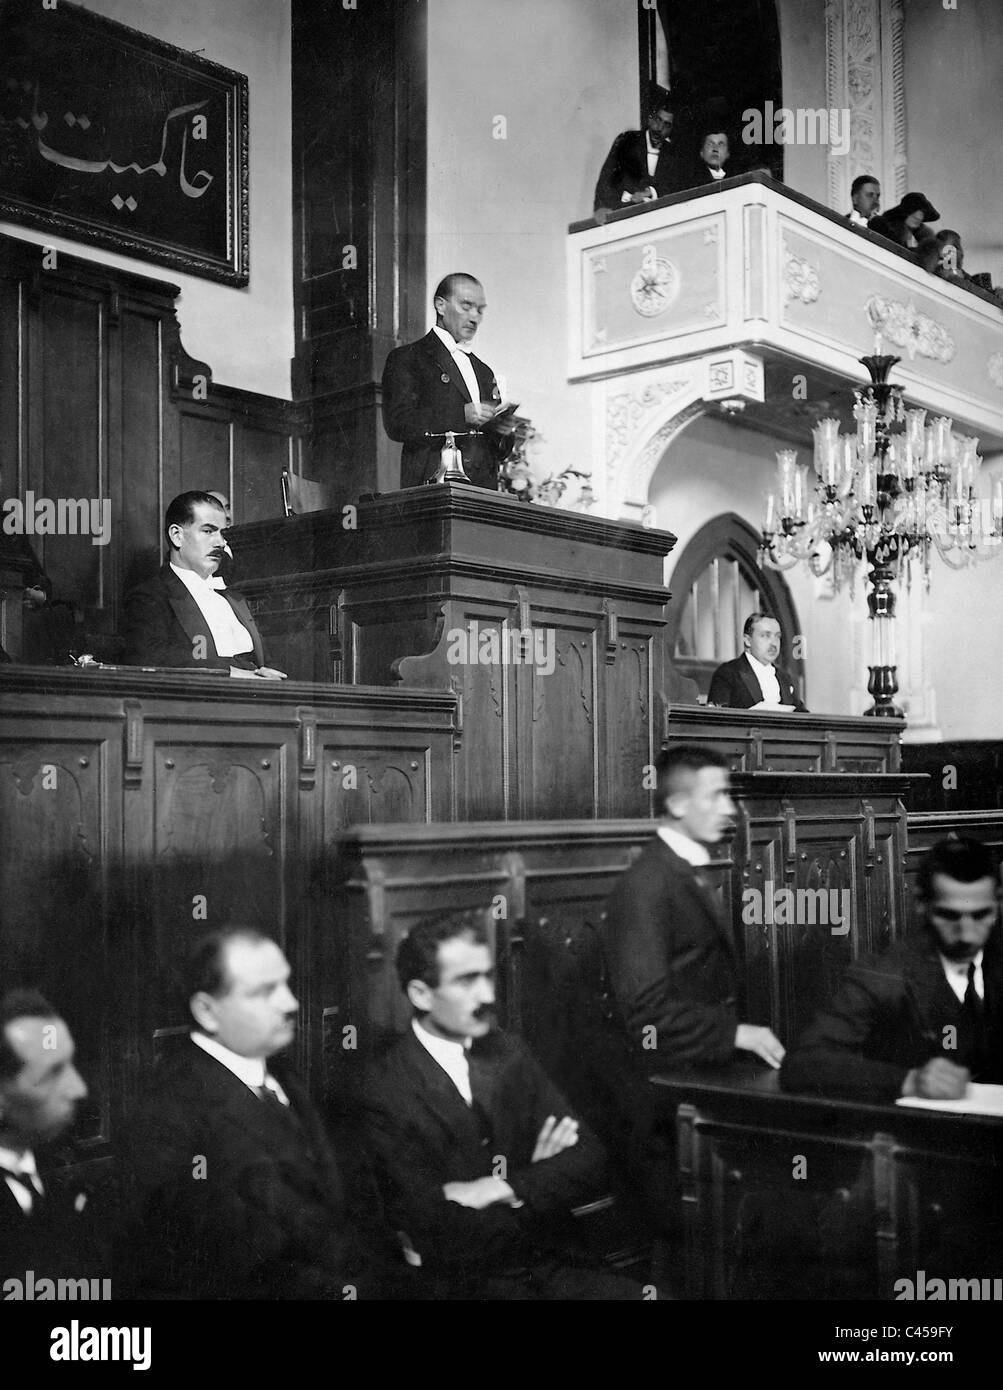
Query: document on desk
x=979 y=1099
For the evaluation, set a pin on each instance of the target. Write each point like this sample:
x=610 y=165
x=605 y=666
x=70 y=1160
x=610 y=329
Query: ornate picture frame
x=115 y=138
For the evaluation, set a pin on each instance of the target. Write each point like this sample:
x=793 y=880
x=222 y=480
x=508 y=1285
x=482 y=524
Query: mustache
x=484 y=1011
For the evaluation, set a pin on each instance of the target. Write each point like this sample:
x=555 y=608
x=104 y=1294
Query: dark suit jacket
x=734 y=685
x=230 y=1197
x=162 y=621
x=671 y=960
x=424 y=391
x=625 y=170
x=59 y=1239
x=887 y=1017
x=423 y=1134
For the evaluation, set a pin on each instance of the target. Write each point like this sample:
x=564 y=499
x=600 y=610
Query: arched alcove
x=716 y=583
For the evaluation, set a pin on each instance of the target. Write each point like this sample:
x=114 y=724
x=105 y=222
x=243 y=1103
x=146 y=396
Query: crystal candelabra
x=894 y=492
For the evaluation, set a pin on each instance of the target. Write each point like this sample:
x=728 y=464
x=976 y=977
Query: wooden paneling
x=543 y=882
x=431 y=586
x=100 y=401
x=757 y=741
x=882 y=1192
x=139 y=809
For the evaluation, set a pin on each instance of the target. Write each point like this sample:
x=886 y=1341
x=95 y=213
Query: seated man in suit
x=179 y=617
x=925 y=1017
x=233 y=1188
x=477 y=1149
x=642 y=164
x=754 y=681
x=45 y=1224
x=437 y=385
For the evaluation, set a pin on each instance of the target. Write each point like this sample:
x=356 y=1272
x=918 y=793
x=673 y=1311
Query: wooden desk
x=790 y=1196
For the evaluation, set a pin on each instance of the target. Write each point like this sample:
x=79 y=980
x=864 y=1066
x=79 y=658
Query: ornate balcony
x=747 y=292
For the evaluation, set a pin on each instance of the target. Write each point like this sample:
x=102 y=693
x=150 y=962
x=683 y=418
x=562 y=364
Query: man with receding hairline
x=437 y=385
x=235 y=1191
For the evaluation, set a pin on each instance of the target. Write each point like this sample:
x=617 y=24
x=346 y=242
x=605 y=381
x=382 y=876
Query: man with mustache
x=642 y=165
x=478 y=1152
x=179 y=617
x=925 y=1018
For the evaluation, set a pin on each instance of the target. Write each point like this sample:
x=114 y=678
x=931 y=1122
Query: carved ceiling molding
x=904 y=325
x=801 y=278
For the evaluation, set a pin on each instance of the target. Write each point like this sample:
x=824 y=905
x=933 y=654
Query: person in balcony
x=865 y=195
x=642 y=165
x=907 y=224
x=709 y=166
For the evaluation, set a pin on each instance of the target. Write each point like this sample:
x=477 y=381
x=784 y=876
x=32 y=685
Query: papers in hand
x=979 y=1099
x=503 y=418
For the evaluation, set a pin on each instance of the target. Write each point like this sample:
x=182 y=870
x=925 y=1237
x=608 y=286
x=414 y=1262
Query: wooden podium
x=547 y=624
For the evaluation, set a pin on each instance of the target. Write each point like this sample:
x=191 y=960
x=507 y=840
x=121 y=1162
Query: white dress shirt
x=451 y=1057
x=251 y=1070
x=23 y=1163
x=715 y=173
x=691 y=850
x=956 y=972
x=766 y=675
x=857 y=218
x=460 y=353
x=228 y=632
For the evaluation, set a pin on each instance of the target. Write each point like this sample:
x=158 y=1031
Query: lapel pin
x=444 y=378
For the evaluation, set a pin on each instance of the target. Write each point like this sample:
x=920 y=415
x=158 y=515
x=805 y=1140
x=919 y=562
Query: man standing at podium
x=437 y=385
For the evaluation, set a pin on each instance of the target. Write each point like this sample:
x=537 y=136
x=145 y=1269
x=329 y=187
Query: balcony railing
x=750 y=264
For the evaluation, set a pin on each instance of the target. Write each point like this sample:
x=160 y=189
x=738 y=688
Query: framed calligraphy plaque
x=115 y=138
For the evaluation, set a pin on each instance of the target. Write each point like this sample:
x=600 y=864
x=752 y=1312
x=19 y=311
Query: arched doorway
x=716 y=583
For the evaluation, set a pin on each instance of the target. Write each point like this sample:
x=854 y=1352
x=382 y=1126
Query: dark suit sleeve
x=443 y=1232
x=569 y=1178
x=190 y=1199
x=835 y=1055
x=153 y=636
x=644 y=962
x=722 y=688
x=407 y=414
x=610 y=185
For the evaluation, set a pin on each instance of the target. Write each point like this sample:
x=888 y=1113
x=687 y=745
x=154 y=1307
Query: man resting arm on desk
x=180 y=617
x=753 y=680
x=923 y=1018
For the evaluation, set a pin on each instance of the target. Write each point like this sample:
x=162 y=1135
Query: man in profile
x=478 y=1151
x=671 y=953
x=925 y=1018
x=179 y=617
x=235 y=1192
x=45 y=1224
x=865 y=195
x=754 y=680
x=642 y=165
x=437 y=386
